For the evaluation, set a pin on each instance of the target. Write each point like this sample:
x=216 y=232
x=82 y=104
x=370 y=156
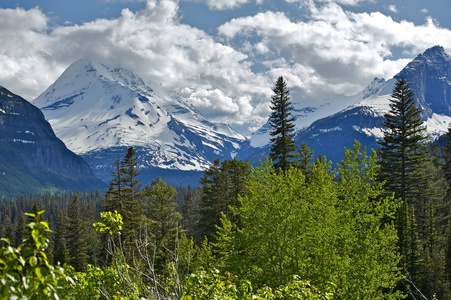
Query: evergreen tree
x=282 y=124
x=124 y=196
x=76 y=237
x=305 y=157
x=114 y=196
x=403 y=145
x=409 y=172
x=190 y=213
x=21 y=230
x=221 y=185
x=61 y=250
x=165 y=221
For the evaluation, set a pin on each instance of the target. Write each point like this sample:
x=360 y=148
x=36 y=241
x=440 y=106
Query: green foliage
x=327 y=230
x=221 y=186
x=111 y=222
x=25 y=272
x=282 y=127
x=77 y=237
x=210 y=284
x=124 y=196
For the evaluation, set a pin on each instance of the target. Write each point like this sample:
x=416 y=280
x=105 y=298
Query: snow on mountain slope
x=94 y=107
x=305 y=116
x=429 y=77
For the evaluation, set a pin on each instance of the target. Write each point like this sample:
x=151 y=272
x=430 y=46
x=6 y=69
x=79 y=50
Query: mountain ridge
x=32 y=158
x=96 y=108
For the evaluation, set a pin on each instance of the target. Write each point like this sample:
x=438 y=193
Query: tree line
x=374 y=226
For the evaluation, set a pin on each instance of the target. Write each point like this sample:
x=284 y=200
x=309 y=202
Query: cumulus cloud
x=230 y=77
x=152 y=43
x=335 y=51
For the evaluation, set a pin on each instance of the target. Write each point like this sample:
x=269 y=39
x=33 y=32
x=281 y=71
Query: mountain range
x=429 y=77
x=99 y=110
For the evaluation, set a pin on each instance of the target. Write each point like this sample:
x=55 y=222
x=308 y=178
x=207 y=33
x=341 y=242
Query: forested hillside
x=374 y=226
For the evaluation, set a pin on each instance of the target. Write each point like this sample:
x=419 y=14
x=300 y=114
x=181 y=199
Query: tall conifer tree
x=282 y=124
x=76 y=237
x=409 y=172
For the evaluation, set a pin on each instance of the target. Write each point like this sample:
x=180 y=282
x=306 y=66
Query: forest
x=374 y=226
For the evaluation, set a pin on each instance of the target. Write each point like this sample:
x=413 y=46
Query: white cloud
x=393 y=8
x=336 y=51
x=225 y=4
x=341 y=2
x=152 y=43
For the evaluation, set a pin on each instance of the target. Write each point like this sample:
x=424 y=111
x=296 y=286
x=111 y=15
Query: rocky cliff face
x=31 y=153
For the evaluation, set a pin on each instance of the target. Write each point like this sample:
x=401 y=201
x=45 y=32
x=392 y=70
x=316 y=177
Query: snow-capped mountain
x=100 y=110
x=429 y=76
x=32 y=158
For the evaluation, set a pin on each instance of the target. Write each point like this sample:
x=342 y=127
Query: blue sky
x=223 y=56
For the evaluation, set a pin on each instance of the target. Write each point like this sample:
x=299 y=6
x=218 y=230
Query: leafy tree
x=328 y=230
x=282 y=124
x=25 y=271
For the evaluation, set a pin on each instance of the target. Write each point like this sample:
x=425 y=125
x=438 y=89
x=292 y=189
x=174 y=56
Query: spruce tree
x=76 y=237
x=61 y=252
x=282 y=127
x=132 y=201
x=221 y=185
x=164 y=220
x=409 y=172
x=124 y=196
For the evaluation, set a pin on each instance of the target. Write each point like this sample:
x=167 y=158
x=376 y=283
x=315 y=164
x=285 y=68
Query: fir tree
x=221 y=186
x=124 y=196
x=282 y=124
x=409 y=172
x=165 y=221
x=61 y=254
x=76 y=237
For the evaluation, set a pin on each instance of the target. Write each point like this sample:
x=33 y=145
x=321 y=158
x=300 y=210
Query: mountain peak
x=435 y=51
x=98 y=109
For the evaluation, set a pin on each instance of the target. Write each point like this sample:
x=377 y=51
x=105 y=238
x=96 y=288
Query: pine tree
x=305 y=157
x=165 y=221
x=221 y=185
x=124 y=196
x=61 y=252
x=282 y=124
x=76 y=237
x=403 y=145
x=409 y=172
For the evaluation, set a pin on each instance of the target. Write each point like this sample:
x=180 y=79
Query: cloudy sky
x=222 y=55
